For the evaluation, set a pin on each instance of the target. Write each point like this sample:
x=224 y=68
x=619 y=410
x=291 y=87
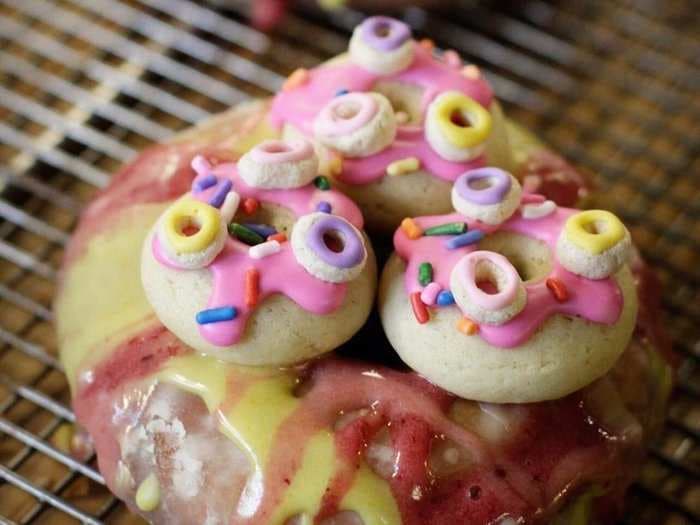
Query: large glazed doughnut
x=214 y=287
x=505 y=336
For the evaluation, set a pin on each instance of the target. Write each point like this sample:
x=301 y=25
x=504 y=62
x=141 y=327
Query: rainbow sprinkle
x=411 y=228
x=425 y=273
x=245 y=235
x=467 y=326
x=217 y=199
x=298 y=78
x=252 y=287
x=324 y=207
x=445 y=298
x=216 y=315
x=419 y=309
x=471 y=237
x=322 y=183
x=202 y=183
x=341 y=92
x=449 y=228
x=264 y=230
x=558 y=289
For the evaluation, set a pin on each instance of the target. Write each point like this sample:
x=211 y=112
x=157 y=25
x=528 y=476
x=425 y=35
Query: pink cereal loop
x=278 y=151
x=507 y=290
x=333 y=122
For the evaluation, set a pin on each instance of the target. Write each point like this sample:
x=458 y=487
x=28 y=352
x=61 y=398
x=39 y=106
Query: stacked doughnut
x=214 y=314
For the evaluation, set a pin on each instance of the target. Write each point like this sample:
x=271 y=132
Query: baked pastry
x=186 y=437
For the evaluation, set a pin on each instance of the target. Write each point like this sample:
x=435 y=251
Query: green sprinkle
x=450 y=228
x=244 y=234
x=425 y=273
x=322 y=183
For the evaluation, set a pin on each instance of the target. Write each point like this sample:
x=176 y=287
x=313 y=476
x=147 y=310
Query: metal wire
x=87 y=83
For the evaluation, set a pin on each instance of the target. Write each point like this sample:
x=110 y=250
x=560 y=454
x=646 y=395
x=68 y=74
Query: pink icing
x=333 y=121
x=598 y=301
x=506 y=291
x=279 y=272
x=277 y=151
x=301 y=105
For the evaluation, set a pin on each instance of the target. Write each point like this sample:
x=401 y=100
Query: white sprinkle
x=230 y=206
x=200 y=165
x=264 y=249
x=537 y=211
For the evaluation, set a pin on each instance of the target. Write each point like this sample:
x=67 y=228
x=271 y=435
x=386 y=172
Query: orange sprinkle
x=471 y=71
x=252 y=287
x=419 y=309
x=250 y=205
x=411 y=229
x=467 y=326
x=279 y=237
x=427 y=44
x=297 y=78
x=558 y=289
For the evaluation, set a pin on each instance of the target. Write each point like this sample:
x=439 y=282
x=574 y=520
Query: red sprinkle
x=279 y=237
x=419 y=309
x=250 y=205
x=532 y=198
x=252 y=287
x=558 y=289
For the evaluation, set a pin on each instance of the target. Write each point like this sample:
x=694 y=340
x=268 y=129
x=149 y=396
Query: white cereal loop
x=495 y=308
x=191 y=233
x=356 y=124
x=490 y=195
x=594 y=244
x=538 y=210
x=382 y=45
x=457 y=127
x=276 y=164
x=329 y=247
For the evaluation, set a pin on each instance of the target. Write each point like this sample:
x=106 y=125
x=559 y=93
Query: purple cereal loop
x=332 y=123
x=278 y=151
x=353 y=252
x=373 y=29
x=492 y=194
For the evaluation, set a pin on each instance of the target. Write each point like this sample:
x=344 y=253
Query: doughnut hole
x=271 y=214
x=404 y=98
x=494 y=423
x=448 y=457
x=381 y=456
x=531 y=258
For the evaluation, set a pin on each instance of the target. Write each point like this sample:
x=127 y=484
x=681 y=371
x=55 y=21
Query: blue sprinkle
x=471 y=237
x=445 y=298
x=217 y=199
x=324 y=207
x=341 y=92
x=202 y=183
x=216 y=315
x=263 y=230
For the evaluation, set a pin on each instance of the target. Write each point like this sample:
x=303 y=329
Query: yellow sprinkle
x=148 y=493
x=411 y=229
x=400 y=167
x=297 y=78
x=471 y=71
x=594 y=230
x=331 y=4
x=335 y=165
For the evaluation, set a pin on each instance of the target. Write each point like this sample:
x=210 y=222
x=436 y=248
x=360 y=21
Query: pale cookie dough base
x=279 y=332
x=564 y=355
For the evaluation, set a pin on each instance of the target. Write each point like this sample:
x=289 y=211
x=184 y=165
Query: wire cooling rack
x=87 y=83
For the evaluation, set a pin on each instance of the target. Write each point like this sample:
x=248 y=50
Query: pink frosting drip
x=301 y=105
x=598 y=301
x=279 y=272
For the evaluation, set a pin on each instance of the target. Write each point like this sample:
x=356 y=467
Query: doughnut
x=489 y=195
x=382 y=45
x=522 y=324
x=216 y=289
x=268 y=430
x=274 y=164
x=594 y=244
x=435 y=120
x=356 y=124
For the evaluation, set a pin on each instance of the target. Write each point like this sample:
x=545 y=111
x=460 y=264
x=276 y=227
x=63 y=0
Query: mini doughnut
x=329 y=247
x=457 y=126
x=489 y=195
x=191 y=250
x=382 y=45
x=356 y=124
x=276 y=164
x=481 y=306
x=594 y=244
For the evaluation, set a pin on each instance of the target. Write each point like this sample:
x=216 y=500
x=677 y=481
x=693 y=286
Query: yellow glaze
x=610 y=230
x=186 y=212
x=200 y=375
x=148 y=493
x=101 y=302
x=370 y=496
x=463 y=136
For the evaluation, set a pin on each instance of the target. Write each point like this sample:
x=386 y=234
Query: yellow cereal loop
x=463 y=136
x=594 y=230
x=190 y=213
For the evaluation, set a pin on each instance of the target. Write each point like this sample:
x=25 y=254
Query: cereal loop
x=594 y=230
x=346 y=113
x=462 y=120
x=384 y=34
x=187 y=214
